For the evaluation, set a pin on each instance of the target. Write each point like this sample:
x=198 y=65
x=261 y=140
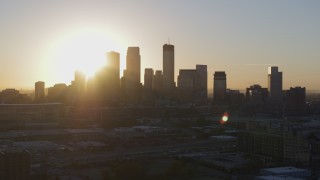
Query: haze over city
x=170 y=89
x=48 y=41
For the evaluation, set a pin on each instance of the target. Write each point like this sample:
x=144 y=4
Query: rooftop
x=284 y=170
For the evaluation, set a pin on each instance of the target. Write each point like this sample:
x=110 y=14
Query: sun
x=84 y=50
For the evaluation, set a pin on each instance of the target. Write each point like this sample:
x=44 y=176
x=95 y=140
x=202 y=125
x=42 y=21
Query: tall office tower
x=113 y=75
x=157 y=81
x=220 y=86
x=113 y=62
x=192 y=84
x=296 y=101
x=202 y=91
x=131 y=78
x=91 y=89
x=79 y=83
x=133 y=64
x=168 y=69
x=39 y=91
x=188 y=81
x=148 y=76
x=123 y=86
x=275 y=84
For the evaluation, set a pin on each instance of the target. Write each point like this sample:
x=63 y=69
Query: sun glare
x=224 y=118
x=84 y=50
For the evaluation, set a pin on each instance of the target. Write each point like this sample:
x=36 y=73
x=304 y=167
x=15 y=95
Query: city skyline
x=170 y=89
x=44 y=38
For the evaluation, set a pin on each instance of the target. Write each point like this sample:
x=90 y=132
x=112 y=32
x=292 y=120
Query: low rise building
x=286 y=171
x=14 y=164
x=30 y=112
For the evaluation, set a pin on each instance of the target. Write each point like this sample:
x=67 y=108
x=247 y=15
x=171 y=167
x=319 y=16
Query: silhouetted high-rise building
x=133 y=64
x=57 y=93
x=157 y=81
x=202 y=90
x=234 y=97
x=39 y=93
x=296 y=101
x=275 y=84
x=131 y=76
x=257 y=100
x=91 y=89
x=255 y=94
x=188 y=80
x=168 y=69
x=79 y=83
x=113 y=68
x=148 y=77
x=192 y=84
x=113 y=62
x=107 y=80
x=219 y=86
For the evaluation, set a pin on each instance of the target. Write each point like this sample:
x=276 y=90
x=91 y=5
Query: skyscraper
x=113 y=68
x=275 y=84
x=168 y=69
x=202 y=91
x=39 y=91
x=148 y=77
x=157 y=81
x=188 y=80
x=131 y=80
x=57 y=93
x=107 y=80
x=79 y=83
x=133 y=64
x=113 y=62
x=296 y=101
x=256 y=94
x=192 y=84
x=220 y=86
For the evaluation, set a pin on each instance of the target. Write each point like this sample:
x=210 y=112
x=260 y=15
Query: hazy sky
x=47 y=40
